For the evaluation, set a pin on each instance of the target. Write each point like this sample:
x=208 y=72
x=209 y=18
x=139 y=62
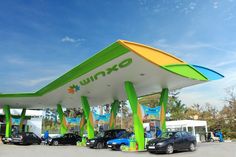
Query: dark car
x=66 y=139
x=101 y=140
x=6 y=140
x=25 y=138
x=171 y=141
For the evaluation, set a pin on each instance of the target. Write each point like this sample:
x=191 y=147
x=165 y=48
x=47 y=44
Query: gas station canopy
x=101 y=78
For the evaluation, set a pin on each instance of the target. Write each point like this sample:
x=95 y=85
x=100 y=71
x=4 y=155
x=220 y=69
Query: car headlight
x=160 y=144
x=50 y=140
x=152 y=144
x=92 y=141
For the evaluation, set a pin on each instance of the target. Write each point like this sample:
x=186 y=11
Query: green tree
x=177 y=110
x=227 y=116
x=175 y=106
x=193 y=112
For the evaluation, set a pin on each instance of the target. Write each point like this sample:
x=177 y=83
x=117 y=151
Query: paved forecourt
x=205 y=149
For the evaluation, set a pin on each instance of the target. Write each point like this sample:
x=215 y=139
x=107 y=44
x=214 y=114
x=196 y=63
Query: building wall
x=35 y=125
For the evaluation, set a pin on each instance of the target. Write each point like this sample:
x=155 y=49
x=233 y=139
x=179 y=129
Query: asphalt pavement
x=203 y=150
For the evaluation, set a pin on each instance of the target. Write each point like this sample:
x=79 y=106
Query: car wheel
x=55 y=143
x=121 y=146
x=99 y=145
x=114 y=148
x=192 y=147
x=169 y=149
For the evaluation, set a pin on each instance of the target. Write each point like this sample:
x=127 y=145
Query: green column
x=81 y=125
x=137 y=115
x=7 y=113
x=89 y=116
x=63 y=127
x=114 y=110
x=22 y=118
x=163 y=104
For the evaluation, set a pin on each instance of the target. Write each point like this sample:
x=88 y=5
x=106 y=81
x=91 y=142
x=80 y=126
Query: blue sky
x=41 y=40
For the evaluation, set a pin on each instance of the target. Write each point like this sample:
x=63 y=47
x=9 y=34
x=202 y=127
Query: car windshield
x=57 y=136
x=17 y=135
x=126 y=135
x=167 y=135
x=100 y=134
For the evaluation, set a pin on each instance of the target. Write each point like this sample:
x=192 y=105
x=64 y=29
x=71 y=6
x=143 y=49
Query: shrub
x=231 y=135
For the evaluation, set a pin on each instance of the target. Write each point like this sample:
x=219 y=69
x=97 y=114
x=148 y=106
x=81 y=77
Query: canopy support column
x=22 y=118
x=89 y=116
x=81 y=125
x=63 y=127
x=163 y=104
x=114 y=110
x=137 y=115
x=7 y=113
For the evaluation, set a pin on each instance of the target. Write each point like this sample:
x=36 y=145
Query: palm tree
x=177 y=110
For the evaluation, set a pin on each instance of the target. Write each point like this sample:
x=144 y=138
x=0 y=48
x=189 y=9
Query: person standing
x=158 y=132
x=46 y=136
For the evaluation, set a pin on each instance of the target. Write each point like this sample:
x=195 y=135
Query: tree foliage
x=175 y=106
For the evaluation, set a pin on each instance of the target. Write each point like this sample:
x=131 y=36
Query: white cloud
x=229 y=17
x=215 y=5
x=15 y=60
x=192 y=5
x=191 y=46
x=162 y=43
x=28 y=74
x=180 y=46
x=189 y=8
x=224 y=63
x=68 y=39
x=190 y=97
x=34 y=82
x=181 y=49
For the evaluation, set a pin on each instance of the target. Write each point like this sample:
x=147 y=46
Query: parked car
x=6 y=140
x=66 y=139
x=26 y=138
x=171 y=141
x=117 y=143
x=101 y=140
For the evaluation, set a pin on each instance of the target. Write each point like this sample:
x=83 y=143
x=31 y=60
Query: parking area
x=204 y=149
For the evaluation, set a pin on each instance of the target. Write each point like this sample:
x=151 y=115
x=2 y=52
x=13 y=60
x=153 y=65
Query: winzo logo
x=106 y=72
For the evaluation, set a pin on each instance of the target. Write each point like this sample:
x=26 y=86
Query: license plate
x=151 y=147
x=109 y=146
x=87 y=143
